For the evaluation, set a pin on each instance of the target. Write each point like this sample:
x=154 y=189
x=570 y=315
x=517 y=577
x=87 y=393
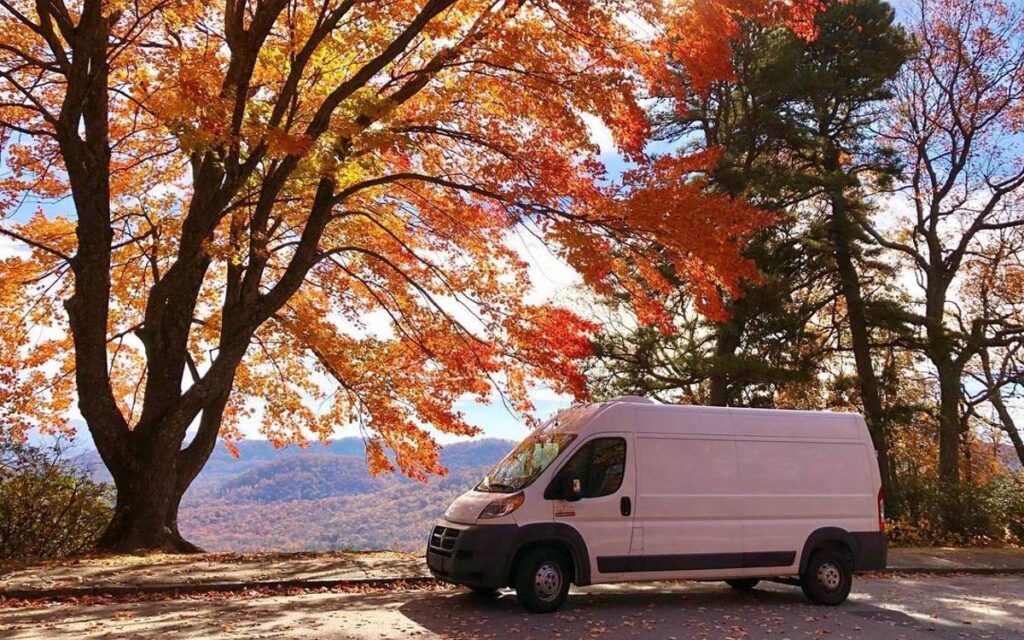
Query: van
x=634 y=490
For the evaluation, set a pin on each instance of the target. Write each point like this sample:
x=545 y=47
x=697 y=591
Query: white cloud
x=600 y=134
x=9 y=247
x=551 y=278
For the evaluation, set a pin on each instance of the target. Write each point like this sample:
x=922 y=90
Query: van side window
x=600 y=465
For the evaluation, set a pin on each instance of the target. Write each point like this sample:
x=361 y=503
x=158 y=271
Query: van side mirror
x=565 y=486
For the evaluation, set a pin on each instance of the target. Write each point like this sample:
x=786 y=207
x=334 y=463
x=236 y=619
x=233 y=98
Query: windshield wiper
x=500 y=486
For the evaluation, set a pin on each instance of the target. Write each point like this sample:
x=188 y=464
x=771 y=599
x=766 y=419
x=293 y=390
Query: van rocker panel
x=868 y=548
x=695 y=561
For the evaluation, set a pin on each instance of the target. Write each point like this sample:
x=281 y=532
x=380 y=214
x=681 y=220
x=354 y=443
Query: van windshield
x=527 y=461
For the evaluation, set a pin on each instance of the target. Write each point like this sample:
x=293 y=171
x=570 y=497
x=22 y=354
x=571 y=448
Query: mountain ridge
x=323 y=498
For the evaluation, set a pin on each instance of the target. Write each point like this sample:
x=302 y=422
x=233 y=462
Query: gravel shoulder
x=163 y=571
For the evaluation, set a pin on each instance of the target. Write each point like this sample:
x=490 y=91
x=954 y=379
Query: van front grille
x=442 y=540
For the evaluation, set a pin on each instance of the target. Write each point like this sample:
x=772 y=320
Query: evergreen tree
x=793 y=132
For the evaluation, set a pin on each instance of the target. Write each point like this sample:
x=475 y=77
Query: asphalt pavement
x=949 y=606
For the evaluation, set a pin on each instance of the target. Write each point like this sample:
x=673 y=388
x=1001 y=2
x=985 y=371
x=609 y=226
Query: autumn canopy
x=299 y=212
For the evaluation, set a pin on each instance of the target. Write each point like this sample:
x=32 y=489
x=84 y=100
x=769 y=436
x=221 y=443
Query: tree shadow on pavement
x=315 y=615
x=910 y=610
x=681 y=610
x=211 y=568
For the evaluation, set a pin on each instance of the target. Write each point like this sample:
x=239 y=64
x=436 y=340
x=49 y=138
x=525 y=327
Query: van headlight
x=502 y=507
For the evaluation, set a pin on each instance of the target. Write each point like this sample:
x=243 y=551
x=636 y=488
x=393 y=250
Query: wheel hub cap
x=548 y=581
x=829 y=576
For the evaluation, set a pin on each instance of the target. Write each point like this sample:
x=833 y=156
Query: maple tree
x=299 y=211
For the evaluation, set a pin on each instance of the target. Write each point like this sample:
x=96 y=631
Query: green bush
x=48 y=507
x=988 y=512
x=1007 y=499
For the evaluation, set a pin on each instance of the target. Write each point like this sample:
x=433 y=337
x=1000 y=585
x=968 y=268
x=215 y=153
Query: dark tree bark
x=727 y=340
x=1009 y=426
x=145 y=515
x=841 y=234
x=947 y=356
x=1006 y=421
x=151 y=486
x=950 y=424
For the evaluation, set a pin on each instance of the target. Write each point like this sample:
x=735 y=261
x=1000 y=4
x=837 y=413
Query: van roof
x=646 y=415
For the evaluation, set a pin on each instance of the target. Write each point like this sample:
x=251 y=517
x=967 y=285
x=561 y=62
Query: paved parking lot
x=910 y=607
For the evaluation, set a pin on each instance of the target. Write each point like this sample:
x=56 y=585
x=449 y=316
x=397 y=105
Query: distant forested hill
x=322 y=498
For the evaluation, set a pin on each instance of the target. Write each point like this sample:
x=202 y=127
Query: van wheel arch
x=526 y=548
x=829 y=538
x=562 y=537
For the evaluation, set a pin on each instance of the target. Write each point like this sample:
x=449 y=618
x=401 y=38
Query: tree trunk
x=727 y=339
x=1006 y=420
x=149 y=491
x=949 y=423
x=146 y=513
x=1009 y=426
x=840 y=235
x=939 y=349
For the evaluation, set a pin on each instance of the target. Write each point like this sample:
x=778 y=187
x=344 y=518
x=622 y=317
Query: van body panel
x=714 y=493
x=790 y=486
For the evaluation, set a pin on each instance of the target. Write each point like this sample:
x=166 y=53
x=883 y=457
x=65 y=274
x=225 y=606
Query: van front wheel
x=542 y=580
x=828 y=577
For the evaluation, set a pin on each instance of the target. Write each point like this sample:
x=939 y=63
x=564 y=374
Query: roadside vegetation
x=49 y=506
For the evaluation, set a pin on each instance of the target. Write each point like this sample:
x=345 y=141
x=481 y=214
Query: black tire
x=828 y=577
x=542 y=580
x=484 y=592
x=743 y=584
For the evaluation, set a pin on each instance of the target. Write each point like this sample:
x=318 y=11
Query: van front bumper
x=472 y=555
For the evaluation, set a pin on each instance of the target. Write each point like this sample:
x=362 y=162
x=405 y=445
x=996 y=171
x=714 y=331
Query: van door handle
x=625 y=506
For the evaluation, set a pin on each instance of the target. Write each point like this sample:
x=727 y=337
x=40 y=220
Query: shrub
x=986 y=512
x=48 y=507
x=1007 y=499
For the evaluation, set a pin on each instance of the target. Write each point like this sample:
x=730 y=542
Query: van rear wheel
x=743 y=584
x=828 y=578
x=542 y=580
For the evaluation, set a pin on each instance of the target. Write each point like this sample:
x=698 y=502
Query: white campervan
x=633 y=490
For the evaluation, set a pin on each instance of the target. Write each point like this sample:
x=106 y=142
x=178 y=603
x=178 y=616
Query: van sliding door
x=688 y=515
